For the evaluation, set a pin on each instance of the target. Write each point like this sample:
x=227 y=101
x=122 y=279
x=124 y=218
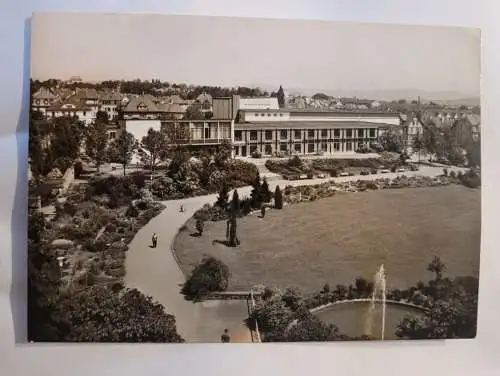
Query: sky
x=298 y=54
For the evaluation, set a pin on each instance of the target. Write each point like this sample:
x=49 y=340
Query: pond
x=357 y=318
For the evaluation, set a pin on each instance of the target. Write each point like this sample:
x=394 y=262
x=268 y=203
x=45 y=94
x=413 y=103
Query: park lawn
x=337 y=239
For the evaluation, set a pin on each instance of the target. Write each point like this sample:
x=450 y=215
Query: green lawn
x=334 y=240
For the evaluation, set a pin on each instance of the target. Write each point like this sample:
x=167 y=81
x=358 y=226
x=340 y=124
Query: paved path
x=155 y=272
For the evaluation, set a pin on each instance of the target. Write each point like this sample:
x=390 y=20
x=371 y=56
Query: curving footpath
x=155 y=272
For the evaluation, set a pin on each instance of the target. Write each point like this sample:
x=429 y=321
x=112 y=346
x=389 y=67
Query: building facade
x=294 y=131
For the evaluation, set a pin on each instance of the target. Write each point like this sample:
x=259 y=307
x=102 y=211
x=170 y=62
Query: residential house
x=467 y=129
x=110 y=103
x=43 y=99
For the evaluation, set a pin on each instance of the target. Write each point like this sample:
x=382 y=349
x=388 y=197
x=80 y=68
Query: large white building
x=307 y=131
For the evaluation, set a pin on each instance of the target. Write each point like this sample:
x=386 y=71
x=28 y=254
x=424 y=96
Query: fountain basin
x=357 y=317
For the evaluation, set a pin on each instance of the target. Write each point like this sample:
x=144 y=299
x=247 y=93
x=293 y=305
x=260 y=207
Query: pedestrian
x=181 y=209
x=225 y=338
x=155 y=240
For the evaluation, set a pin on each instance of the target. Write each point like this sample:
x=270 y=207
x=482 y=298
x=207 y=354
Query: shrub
x=132 y=212
x=142 y=205
x=470 y=179
x=200 y=225
x=453 y=174
x=295 y=161
x=209 y=276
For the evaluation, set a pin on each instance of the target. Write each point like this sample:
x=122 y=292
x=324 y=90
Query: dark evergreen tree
x=278 y=198
x=255 y=195
x=281 y=97
x=265 y=193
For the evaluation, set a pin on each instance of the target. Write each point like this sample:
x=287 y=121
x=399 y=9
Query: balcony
x=208 y=141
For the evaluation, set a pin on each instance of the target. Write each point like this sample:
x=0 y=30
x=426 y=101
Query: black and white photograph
x=198 y=179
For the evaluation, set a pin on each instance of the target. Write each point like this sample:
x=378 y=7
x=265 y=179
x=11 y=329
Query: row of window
x=268 y=114
x=283 y=147
x=323 y=133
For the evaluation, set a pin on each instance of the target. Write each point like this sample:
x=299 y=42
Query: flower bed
x=294 y=195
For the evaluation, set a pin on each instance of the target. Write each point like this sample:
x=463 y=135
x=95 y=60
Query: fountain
x=378 y=296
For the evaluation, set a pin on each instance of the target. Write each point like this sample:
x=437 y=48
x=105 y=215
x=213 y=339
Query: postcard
x=231 y=180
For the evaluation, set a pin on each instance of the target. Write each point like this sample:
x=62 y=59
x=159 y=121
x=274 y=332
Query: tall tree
x=265 y=193
x=223 y=154
x=121 y=150
x=43 y=282
x=39 y=155
x=281 y=97
x=96 y=143
x=255 y=195
x=66 y=141
x=152 y=148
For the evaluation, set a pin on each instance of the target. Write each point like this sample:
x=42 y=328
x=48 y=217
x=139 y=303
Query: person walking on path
x=154 y=240
x=181 y=208
x=225 y=338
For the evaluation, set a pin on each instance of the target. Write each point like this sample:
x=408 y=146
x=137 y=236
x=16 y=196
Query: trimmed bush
x=210 y=275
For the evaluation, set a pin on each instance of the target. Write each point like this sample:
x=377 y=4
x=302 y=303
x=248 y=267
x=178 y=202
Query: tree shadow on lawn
x=223 y=242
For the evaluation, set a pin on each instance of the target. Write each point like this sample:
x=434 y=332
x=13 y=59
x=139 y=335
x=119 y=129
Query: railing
x=209 y=140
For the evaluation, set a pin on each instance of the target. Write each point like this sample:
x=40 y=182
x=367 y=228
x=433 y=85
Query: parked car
x=365 y=172
x=374 y=171
x=414 y=167
x=400 y=169
x=344 y=173
x=384 y=171
x=321 y=176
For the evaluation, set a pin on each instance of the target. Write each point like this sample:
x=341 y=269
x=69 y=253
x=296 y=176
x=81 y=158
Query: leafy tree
x=272 y=317
x=292 y=298
x=101 y=314
x=67 y=138
x=363 y=288
x=473 y=150
x=101 y=117
x=320 y=96
x=43 y=282
x=278 y=198
x=96 y=143
x=223 y=154
x=152 y=148
x=265 y=193
x=392 y=141
x=39 y=156
x=432 y=140
x=455 y=317
x=437 y=267
x=312 y=329
x=209 y=275
x=121 y=149
x=193 y=112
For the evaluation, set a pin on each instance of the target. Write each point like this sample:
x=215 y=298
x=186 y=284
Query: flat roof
x=324 y=111
x=307 y=125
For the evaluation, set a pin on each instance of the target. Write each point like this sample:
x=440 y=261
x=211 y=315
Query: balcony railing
x=208 y=141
